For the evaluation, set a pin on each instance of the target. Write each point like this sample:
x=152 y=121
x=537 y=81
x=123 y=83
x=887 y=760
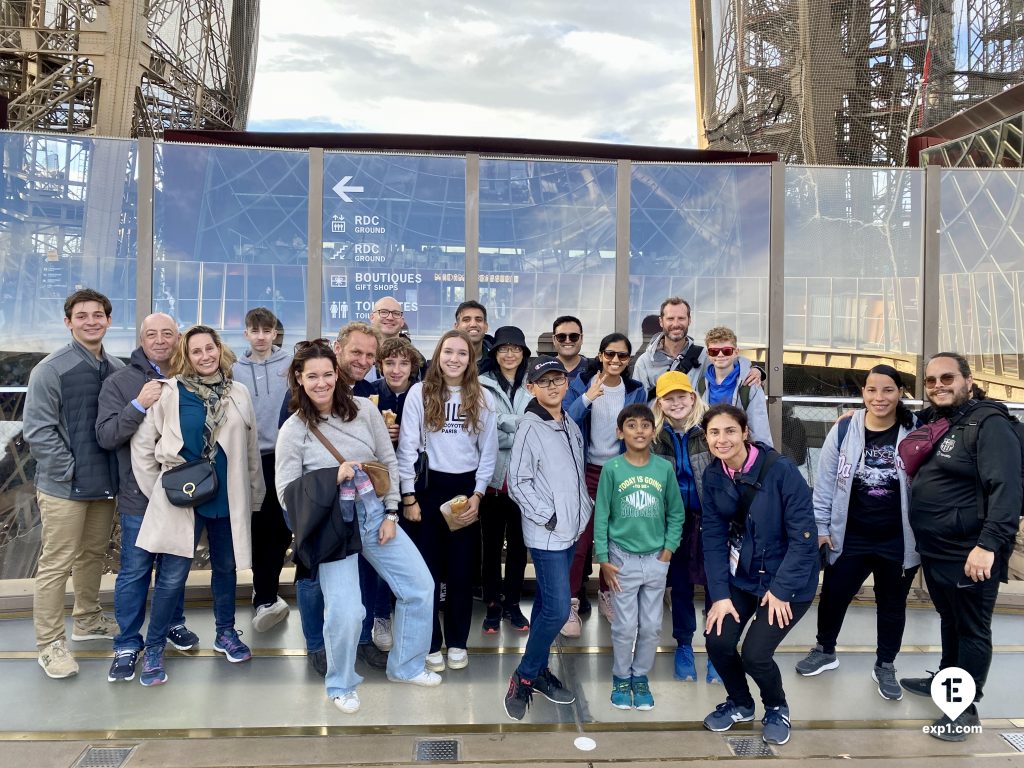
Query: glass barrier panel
x=701 y=232
x=230 y=231
x=547 y=246
x=853 y=245
x=394 y=225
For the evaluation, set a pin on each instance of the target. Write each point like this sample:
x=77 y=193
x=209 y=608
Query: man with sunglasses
x=965 y=505
x=722 y=379
x=673 y=350
x=567 y=335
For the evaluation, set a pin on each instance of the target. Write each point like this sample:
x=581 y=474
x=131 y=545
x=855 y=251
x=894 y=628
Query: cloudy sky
x=603 y=70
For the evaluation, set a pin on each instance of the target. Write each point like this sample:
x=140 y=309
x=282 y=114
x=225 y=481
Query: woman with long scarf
x=201 y=414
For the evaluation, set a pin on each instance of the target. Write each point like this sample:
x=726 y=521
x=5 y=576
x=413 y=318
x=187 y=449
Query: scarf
x=213 y=391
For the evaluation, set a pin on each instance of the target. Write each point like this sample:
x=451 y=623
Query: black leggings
x=501 y=522
x=841 y=583
x=758 y=656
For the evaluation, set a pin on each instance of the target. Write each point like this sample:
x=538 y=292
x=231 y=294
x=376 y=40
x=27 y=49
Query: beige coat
x=155 y=448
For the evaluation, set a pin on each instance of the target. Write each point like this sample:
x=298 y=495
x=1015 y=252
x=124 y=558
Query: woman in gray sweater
x=356 y=429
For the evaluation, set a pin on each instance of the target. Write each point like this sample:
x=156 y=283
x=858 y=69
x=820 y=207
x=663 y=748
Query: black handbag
x=191 y=484
x=421 y=468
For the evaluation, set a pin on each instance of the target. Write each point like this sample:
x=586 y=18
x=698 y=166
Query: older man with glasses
x=965 y=505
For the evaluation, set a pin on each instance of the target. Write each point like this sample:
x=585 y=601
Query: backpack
x=702 y=387
x=974 y=422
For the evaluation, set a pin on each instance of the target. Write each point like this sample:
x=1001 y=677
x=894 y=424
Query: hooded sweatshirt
x=655 y=361
x=267 y=382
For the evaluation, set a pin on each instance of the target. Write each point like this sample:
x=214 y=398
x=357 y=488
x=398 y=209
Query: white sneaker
x=435 y=662
x=270 y=615
x=347 y=702
x=457 y=658
x=605 y=606
x=424 y=678
x=382 y=636
x=573 y=627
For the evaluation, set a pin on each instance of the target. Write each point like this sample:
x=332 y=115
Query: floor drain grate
x=749 y=746
x=104 y=757
x=1016 y=740
x=437 y=750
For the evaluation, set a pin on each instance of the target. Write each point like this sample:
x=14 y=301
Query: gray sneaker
x=885 y=675
x=816 y=662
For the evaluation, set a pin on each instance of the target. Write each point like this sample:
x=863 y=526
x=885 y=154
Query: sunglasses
x=609 y=355
x=568 y=338
x=324 y=343
x=946 y=379
x=721 y=351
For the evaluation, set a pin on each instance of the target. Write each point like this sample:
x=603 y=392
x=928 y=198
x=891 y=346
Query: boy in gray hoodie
x=263 y=369
x=546 y=480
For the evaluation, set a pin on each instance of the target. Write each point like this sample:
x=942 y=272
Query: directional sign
x=342 y=189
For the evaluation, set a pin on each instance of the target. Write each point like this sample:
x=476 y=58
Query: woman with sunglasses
x=594 y=400
x=862 y=505
x=322 y=400
x=679 y=437
x=451 y=418
x=201 y=413
x=499 y=516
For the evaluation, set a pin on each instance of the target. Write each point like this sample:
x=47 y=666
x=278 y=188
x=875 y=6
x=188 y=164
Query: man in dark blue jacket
x=965 y=505
x=124 y=399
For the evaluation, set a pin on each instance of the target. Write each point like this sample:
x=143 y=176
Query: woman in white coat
x=201 y=412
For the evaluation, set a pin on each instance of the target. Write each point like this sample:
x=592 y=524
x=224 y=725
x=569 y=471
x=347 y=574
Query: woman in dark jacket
x=761 y=560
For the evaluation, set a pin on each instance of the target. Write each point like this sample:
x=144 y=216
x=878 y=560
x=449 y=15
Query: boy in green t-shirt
x=638 y=521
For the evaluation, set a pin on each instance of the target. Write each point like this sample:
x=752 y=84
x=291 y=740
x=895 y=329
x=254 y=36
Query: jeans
x=132 y=587
x=639 y=605
x=550 y=607
x=310 y=599
x=758 y=656
x=75 y=538
x=965 y=615
x=270 y=540
x=451 y=557
x=343 y=616
x=222 y=563
x=841 y=582
x=684 y=615
x=500 y=522
x=401 y=566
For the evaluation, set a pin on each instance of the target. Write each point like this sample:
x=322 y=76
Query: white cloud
x=565 y=69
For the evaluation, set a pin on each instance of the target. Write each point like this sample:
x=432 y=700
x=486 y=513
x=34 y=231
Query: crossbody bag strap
x=748 y=490
x=326 y=443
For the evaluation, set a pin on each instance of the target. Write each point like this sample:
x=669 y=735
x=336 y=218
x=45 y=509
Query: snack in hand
x=390 y=417
x=373 y=398
x=459 y=504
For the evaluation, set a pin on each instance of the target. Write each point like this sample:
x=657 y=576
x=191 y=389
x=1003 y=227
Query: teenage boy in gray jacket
x=76 y=481
x=263 y=369
x=546 y=480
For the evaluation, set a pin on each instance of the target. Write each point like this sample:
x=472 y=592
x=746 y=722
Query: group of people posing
x=405 y=481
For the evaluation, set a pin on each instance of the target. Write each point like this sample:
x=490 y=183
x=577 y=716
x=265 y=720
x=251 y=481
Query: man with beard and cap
x=965 y=504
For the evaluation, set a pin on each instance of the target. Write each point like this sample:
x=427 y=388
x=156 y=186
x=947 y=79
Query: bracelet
x=413 y=504
x=478 y=493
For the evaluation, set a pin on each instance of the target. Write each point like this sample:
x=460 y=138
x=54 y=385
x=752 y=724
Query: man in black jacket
x=124 y=399
x=964 y=510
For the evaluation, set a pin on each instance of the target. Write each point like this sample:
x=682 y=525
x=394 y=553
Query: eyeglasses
x=609 y=355
x=721 y=351
x=568 y=338
x=324 y=343
x=508 y=349
x=551 y=383
x=946 y=378
x=396 y=313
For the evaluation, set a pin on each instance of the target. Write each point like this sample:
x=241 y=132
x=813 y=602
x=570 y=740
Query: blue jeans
x=684 y=615
x=310 y=599
x=550 y=607
x=222 y=563
x=343 y=617
x=132 y=587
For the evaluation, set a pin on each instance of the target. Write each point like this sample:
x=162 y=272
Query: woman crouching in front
x=335 y=513
x=761 y=560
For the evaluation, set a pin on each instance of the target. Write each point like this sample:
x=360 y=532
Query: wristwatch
x=391 y=515
x=479 y=493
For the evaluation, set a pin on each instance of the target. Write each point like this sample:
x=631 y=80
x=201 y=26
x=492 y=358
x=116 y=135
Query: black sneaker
x=956 y=730
x=885 y=675
x=919 y=686
x=517 y=698
x=372 y=656
x=318 y=661
x=123 y=666
x=516 y=617
x=551 y=688
x=492 y=621
x=584 y=608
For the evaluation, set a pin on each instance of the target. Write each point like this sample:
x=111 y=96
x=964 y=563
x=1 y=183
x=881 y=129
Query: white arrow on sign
x=342 y=189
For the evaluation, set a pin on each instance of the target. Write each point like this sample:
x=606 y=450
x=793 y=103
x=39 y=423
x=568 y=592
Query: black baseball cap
x=543 y=365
